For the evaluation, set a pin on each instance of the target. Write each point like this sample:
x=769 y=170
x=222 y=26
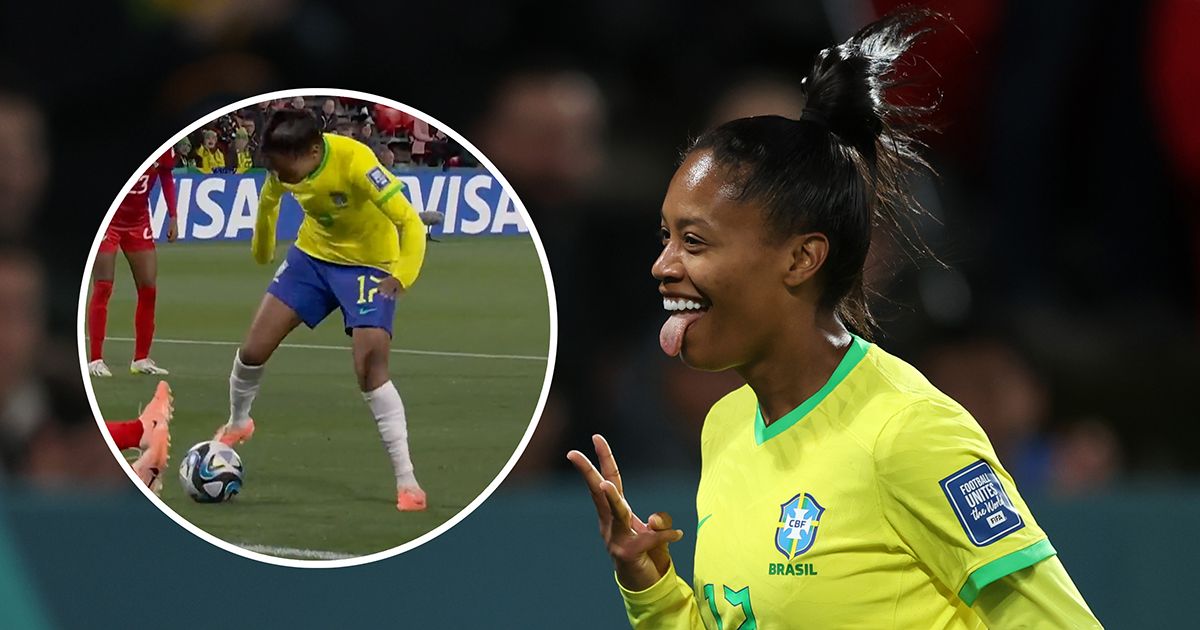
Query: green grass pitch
x=317 y=477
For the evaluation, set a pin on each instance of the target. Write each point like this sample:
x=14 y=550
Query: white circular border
x=440 y=529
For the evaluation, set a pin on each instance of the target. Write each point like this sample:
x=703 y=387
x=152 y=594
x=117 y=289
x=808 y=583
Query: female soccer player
x=360 y=246
x=838 y=488
x=130 y=231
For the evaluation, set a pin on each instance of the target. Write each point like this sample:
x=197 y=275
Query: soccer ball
x=211 y=472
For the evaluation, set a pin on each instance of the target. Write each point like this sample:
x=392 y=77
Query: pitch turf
x=317 y=476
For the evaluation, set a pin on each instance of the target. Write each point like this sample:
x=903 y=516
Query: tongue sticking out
x=671 y=337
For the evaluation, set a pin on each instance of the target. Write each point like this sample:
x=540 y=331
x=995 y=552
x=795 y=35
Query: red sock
x=127 y=434
x=98 y=316
x=143 y=322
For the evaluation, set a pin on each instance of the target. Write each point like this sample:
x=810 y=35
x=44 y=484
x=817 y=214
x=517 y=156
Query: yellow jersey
x=877 y=503
x=354 y=214
x=209 y=159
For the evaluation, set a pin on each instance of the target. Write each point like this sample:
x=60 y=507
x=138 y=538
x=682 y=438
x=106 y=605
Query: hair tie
x=814 y=117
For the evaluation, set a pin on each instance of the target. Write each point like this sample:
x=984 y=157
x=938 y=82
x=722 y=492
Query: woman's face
x=716 y=256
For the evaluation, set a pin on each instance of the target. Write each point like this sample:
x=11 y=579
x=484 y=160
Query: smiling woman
x=838 y=486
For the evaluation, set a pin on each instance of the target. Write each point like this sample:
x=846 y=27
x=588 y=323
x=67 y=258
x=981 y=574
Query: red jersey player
x=130 y=231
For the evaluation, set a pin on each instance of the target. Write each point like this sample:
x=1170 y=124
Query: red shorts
x=131 y=239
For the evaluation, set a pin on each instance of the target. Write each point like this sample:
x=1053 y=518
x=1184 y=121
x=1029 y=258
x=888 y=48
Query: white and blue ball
x=211 y=472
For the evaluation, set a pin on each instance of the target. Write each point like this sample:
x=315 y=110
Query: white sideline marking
x=302 y=554
x=308 y=346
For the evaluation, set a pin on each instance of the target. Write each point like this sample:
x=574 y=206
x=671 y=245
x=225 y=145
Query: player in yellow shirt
x=360 y=246
x=208 y=156
x=838 y=488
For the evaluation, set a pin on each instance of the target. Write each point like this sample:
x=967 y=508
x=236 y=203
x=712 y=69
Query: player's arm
x=655 y=597
x=1040 y=596
x=668 y=604
x=387 y=193
x=166 y=180
x=952 y=505
x=262 y=245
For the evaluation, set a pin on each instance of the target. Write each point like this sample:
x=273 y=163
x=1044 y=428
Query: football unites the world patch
x=379 y=179
x=799 y=518
x=981 y=504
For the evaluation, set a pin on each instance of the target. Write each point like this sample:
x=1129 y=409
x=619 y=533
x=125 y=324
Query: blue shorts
x=314 y=288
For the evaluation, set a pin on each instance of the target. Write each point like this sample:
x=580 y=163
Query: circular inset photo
x=318 y=328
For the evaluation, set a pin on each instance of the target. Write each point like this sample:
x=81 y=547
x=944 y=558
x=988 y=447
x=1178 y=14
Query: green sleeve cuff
x=665 y=586
x=1003 y=566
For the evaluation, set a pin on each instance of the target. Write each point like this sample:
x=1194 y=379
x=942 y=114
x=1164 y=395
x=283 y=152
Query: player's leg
x=102 y=288
x=271 y=325
x=369 y=316
x=156 y=438
x=371 y=350
x=296 y=294
x=143 y=263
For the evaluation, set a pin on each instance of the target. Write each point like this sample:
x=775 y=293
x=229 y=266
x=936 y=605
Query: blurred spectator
x=385 y=155
x=1011 y=401
x=23 y=408
x=184 y=158
x=23 y=162
x=422 y=135
x=209 y=157
x=254 y=138
x=365 y=132
x=345 y=128
x=1087 y=457
x=544 y=130
x=297 y=102
x=251 y=120
x=401 y=155
x=328 y=114
x=760 y=95
x=240 y=156
x=46 y=431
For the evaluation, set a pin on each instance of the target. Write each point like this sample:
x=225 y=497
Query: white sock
x=388 y=410
x=243 y=387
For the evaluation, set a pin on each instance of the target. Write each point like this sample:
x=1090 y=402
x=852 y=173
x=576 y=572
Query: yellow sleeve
x=667 y=605
x=1040 y=596
x=262 y=245
x=386 y=192
x=950 y=502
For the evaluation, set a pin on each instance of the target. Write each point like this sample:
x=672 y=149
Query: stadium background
x=1070 y=162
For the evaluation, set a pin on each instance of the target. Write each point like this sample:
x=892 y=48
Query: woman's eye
x=691 y=241
x=664 y=235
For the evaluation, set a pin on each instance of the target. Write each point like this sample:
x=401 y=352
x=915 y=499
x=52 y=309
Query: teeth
x=680 y=304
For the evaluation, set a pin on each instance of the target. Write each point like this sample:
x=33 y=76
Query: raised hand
x=638 y=549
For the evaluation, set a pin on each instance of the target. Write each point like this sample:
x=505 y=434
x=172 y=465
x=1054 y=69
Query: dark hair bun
x=846 y=89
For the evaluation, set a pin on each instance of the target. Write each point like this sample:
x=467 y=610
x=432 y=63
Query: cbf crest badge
x=799 y=519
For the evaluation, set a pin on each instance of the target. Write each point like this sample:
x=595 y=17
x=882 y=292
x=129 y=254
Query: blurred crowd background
x=1067 y=207
x=401 y=141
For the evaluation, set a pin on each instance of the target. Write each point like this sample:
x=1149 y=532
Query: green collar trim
x=762 y=432
x=1002 y=567
x=324 y=160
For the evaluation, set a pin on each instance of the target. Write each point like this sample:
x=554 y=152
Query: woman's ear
x=807 y=254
